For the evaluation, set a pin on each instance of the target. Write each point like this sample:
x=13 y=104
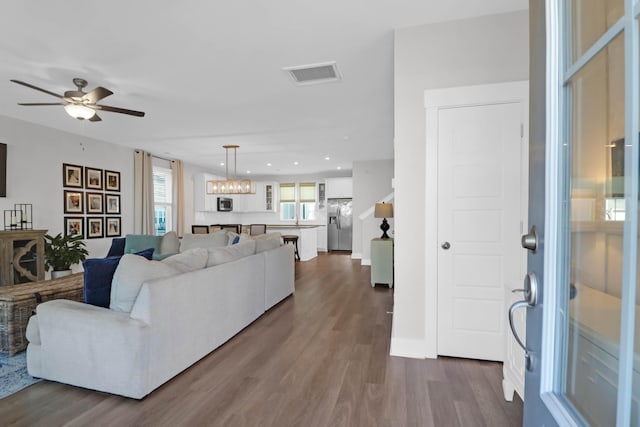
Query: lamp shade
x=383 y=210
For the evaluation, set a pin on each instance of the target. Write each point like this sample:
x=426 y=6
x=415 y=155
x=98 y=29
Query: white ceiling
x=209 y=73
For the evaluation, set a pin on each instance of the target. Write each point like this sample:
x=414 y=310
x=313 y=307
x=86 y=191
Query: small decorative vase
x=61 y=273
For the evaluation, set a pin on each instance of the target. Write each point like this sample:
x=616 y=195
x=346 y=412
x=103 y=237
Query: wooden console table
x=17 y=303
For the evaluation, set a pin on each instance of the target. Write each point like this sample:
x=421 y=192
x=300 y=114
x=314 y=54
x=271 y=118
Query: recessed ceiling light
x=296 y=163
x=221 y=163
x=339 y=167
x=268 y=164
x=327 y=158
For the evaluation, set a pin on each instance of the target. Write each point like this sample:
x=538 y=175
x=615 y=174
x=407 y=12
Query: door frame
x=435 y=100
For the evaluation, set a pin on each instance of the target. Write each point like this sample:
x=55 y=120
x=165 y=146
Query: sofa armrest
x=80 y=342
x=279 y=275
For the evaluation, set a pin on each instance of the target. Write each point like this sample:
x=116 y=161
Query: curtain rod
x=157 y=157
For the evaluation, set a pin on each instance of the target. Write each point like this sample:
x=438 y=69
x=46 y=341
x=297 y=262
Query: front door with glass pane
x=581 y=332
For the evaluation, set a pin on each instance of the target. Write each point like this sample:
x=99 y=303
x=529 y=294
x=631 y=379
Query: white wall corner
x=355 y=255
x=412 y=348
x=365 y=261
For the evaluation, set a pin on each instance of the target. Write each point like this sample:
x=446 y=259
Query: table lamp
x=384 y=210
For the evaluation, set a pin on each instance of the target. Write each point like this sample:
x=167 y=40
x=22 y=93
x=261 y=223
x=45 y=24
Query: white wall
x=482 y=50
x=371 y=183
x=35 y=155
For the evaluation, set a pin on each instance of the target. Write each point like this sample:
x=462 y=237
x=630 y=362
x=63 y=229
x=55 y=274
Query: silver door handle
x=516 y=305
x=530 y=291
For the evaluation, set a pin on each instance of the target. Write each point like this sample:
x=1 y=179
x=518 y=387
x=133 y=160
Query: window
x=308 y=201
x=287 y=201
x=162 y=199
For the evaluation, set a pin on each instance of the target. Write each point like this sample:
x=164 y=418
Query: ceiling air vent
x=314 y=73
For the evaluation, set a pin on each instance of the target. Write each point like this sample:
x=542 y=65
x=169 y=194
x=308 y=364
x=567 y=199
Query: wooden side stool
x=291 y=238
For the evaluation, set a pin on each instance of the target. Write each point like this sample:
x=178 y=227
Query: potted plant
x=60 y=252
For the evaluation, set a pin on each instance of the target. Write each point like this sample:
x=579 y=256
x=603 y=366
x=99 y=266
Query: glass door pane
x=595 y=178
x=590 y=19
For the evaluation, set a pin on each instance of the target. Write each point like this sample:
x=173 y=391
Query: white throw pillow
x=132 y=272
x=193 y=259
x=169 y=244
x=230 y=253
x=212 y=240
x=265 y=244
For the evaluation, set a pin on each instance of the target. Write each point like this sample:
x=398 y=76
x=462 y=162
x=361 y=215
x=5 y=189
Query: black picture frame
x=72 y=176
x=95 y=203
x=73 y=202
x=93 y=178
x=113 y=226
x=74 y=226
x=95 y=227
x=111 y=180
x=112 y=204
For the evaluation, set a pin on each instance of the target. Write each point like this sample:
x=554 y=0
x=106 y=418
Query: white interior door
x=481 y=213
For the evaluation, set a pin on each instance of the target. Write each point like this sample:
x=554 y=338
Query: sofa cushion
x=98 y=274
x=132 y=272
x=212 y=240
x=138 y=242
x=230 y=253
x=193 y=259
x=169 y=244
x=268 y=243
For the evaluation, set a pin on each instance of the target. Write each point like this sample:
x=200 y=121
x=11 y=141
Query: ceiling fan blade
x=97 y=94
x=36 y=88
x=118 y=110
x=95 y=118
x=30 y=104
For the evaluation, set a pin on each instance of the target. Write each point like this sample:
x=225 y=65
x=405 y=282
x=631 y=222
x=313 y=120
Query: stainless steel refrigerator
x=340 y=224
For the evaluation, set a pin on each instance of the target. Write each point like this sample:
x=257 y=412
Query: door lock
x=530 y=300
x=530 y=240
x=445 y=245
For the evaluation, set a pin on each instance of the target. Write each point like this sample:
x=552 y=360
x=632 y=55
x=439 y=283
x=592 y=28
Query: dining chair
x=255 y=229
x=200 y=229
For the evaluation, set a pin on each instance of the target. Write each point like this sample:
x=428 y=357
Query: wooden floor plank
x=317 y=359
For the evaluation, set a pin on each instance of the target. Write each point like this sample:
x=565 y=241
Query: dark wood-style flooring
x=319 y=358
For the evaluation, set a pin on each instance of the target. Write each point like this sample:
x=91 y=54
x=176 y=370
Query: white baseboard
x=412 y=348
x=355 y=255
x=365 y=261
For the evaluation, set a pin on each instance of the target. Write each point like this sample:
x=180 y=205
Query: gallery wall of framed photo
x=91 y=202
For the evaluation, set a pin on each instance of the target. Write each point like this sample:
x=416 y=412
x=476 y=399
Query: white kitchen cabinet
x=240 y=202
x=201 y=200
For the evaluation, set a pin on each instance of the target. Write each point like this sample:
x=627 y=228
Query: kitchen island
x=307 y=238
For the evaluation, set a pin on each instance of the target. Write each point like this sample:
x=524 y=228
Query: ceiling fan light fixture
x=79 y=112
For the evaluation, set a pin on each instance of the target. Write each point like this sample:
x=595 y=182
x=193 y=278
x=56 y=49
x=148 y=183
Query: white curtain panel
x=143 y=193
x=177 y=176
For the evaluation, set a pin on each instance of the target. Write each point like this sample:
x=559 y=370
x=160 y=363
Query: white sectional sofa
x=174 y=322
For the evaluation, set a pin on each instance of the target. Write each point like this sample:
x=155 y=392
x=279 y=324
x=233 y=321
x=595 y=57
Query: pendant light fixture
x=231 y=186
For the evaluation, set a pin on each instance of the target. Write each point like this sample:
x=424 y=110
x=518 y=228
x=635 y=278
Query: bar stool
x=291 y=238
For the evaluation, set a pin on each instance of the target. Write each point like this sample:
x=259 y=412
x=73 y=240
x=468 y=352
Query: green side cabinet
x=382 y=261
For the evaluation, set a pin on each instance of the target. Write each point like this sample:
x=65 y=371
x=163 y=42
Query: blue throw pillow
x=117 y=247
x=98 y=274
x=235 y=240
